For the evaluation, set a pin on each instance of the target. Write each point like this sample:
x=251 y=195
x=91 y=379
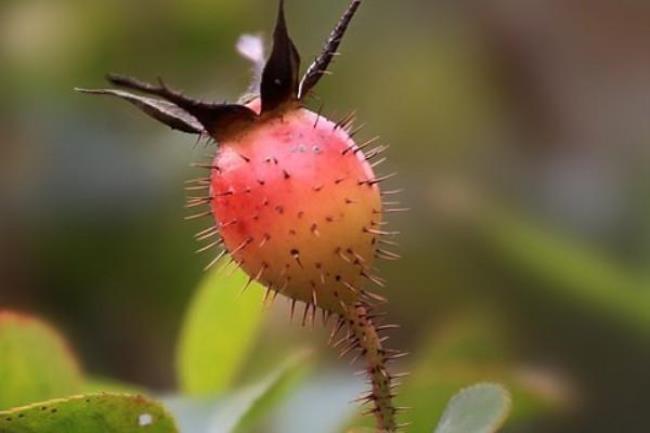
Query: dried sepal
x=163 y=111
x=217 y=119
x=280 y=77
x=319 y=67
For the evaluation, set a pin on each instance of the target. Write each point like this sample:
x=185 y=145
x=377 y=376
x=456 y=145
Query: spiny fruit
x=293 y=198
x=298 y=208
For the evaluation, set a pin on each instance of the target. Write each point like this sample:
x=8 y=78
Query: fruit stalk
x=364 y=336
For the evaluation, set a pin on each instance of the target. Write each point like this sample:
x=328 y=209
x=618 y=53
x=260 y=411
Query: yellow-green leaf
x=219 y=331
x=35 y=362
x=92 y=413
x=242 y=410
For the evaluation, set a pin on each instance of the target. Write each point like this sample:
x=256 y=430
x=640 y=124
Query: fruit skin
x=294 y=199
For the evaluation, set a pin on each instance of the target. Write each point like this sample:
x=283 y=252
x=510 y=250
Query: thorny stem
x=364 y=336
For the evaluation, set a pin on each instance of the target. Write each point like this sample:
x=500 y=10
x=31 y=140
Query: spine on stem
x=363 y=337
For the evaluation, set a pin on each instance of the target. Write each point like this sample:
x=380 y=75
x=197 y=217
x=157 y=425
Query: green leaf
x=572 y=273
x=92 y=413
x=35 y=363
x=266 y=395
x=242 y=410
x=218 y=333
x=96 y=384
x=481 y=408
x=469 y=350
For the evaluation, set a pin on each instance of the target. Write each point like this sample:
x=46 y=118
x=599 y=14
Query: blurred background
x=520 y=131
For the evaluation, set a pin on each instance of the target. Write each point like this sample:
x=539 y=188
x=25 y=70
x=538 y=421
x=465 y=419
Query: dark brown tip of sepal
x=216 y=119
x=319 y=67
x=280 y=76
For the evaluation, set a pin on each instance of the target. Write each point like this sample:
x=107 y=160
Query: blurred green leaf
x=255 y=402
x=469 y=350
x=241 y=411
x=481 y=408
x=35 y=362
x=219 y=331
x=93 y=413
x=568 y=270
x=103 y=384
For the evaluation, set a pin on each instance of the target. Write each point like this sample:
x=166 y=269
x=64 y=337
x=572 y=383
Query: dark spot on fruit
x=301 y=214
x=329 y=219
x=318 y=188
x=265 y=202
x=318 y=265
x=292 y=232
x=294 y=252
x=279 y=209
x=244 y=157
x=338 y=278
x=286 y=174
x=339 y=180
x=261 y=182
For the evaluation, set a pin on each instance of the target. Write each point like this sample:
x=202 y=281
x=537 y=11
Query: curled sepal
x=280 y=76
x=319 y=67
x=217 y=119
x=163 y=111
